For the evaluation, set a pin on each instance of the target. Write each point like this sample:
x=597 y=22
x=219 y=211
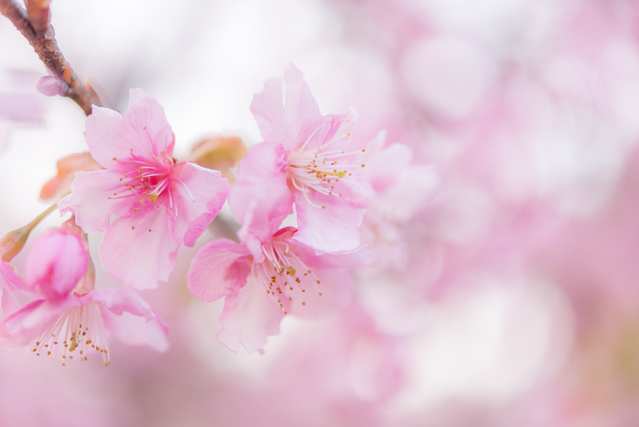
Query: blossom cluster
x=300 y=198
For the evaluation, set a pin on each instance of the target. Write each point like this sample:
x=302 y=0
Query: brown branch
x=39 y=33
x=39 y=15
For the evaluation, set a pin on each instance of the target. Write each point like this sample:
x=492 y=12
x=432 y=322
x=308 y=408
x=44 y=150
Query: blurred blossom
x=19 y=102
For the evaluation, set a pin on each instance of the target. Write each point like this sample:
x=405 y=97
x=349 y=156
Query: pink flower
x=68 y=316
x=306 y=154
x=159 y=202
x=268 y=276
x=401 y=188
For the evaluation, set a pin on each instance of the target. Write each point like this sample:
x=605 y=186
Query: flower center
x=319 y=169
x=78 y=328
x=149 y=180
x=283 y=275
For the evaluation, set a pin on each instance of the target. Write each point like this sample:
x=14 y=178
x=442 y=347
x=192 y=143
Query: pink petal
x=120 y=300
x=218 y=269
x=352 y=259
x=8 y=302
x=27 y=324
x=9 y=282
x=383 y=169
x=198 y=205
x=89 y=200
x=147 y=117
x=130 y=329
x=56 y=263
x=333 y=127
x=136 y=256
x=134 y=330
x=248 y=318
x=286 y=111
x=9 y=278
x=145 y=129
x=260 y=191
x=332 y=229
x=356 y=191
x=336 y=287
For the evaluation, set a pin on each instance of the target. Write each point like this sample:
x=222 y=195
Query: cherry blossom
x=160 y=203
x=68 y=314
x=307 y=154
x=268 y=276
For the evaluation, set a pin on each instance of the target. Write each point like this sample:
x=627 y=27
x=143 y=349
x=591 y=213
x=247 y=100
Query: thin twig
x=39 y=33
x=39 y=15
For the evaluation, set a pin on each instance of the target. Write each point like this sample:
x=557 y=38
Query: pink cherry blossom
x=306 y=154
x=268 y=276
x=401 y=190
x=68 y=315
x=160 y=203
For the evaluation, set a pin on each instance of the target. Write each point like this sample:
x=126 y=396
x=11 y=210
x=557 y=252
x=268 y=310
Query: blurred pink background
x=504 y=294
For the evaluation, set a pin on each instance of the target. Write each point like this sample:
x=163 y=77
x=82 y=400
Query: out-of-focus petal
x=67 y=167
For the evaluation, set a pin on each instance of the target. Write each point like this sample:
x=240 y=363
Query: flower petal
x=334 y=129
x=286 y=111
x=248 y=318
x=27 y=324
x=332 y=229
x=147 y=119
x=56 y=263
x=130 y=329
x=92 y=202
x=350 y=259
x=218 y=269
x=335 y=287
x=145 y=129
x=199 y=194
x=136 y=256
x=261 y=187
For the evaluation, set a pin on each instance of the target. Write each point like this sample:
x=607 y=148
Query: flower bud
x=58 y=186
x=87 y=283
x=219 y=153
x=12 y=243
x=51 y=86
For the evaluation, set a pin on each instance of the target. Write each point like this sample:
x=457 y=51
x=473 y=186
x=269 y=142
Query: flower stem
x=34 y=26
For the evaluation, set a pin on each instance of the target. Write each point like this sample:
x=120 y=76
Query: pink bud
x=51 y=86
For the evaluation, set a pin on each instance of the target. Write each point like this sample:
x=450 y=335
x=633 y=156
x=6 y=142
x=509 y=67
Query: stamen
x=69 y=324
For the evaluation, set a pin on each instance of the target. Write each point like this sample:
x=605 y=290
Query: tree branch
x=35 y=27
